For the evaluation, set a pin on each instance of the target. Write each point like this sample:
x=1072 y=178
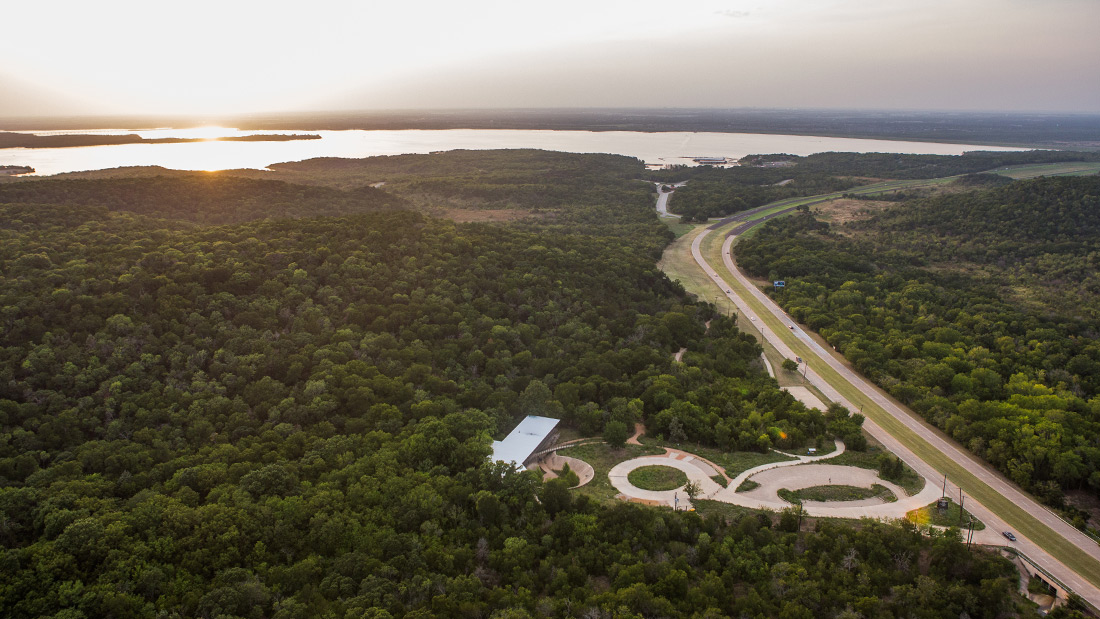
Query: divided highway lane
x=901 y=433
x=760 y=214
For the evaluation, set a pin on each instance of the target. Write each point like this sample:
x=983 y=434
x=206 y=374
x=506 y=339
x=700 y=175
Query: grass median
x=1059 y=547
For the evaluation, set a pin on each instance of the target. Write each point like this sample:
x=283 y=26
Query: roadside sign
x=779 y=283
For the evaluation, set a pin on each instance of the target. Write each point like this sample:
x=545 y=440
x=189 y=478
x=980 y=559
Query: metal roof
x=524 y=440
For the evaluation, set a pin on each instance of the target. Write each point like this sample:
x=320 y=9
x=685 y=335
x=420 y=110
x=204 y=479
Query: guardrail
x=1092 y=610
x=745 y=225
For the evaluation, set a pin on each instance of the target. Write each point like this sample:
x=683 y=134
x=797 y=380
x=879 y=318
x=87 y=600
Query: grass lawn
x=677 y=228
x=733 y=462
x=783 y=377
x=728 y=511
x=909 y=480
x=678 y=265
x=657 y=477
x=747 y=485
x=827 y=447
x=602 y=458
x=569 y=434
x=930 y=514
x=1069 y=168
x=837 y=492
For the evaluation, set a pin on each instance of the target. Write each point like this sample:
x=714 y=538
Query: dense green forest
x=291 y=417
x=492 y=178
x=977 y=309
x=760 y=179
x=199 y=197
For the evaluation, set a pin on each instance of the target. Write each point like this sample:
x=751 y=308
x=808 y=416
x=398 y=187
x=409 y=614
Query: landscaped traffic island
x=657 y=478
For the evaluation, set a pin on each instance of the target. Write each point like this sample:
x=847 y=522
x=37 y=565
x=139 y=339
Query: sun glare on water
x=195 y=133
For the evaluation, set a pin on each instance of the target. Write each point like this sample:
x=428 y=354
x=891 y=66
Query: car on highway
x=791 y=327
x=1008 y=535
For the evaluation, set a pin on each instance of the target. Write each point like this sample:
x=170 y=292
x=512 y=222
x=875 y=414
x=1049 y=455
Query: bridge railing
x=1089 y=607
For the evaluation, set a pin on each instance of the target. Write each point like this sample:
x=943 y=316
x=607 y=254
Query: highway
x=1041 y=534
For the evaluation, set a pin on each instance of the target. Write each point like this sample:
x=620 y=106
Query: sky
x=231 y=57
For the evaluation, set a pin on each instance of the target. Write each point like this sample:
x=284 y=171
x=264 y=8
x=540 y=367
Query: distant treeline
x=717 y=192
x=1052 y=130
x=30 y=140
x=200 y=198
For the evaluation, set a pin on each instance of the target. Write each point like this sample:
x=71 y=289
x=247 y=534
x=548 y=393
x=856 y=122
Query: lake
x=653 y=148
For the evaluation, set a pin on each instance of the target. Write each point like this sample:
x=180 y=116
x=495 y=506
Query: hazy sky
x=232 y=56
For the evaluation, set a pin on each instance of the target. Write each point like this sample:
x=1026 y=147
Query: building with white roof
x=530 y=436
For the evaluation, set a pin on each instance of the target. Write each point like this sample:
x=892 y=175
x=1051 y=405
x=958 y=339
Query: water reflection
x=655 y=148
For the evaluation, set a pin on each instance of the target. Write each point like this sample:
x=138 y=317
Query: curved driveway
x=1051 y=521
x=772 y=477
x=810 y=475
x=662 y=197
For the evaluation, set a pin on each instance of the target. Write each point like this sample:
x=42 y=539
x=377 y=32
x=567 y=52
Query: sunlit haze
x=204 y=57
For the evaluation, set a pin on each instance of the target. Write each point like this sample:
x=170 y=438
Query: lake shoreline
x=220 y=148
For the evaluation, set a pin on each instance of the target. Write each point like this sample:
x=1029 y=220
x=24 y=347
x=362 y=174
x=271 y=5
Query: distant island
x=15 y=170
x=30 y=140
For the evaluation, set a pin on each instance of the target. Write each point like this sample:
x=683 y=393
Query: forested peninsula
x=228 y=397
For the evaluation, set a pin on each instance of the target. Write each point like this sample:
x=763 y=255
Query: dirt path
x=639 y=430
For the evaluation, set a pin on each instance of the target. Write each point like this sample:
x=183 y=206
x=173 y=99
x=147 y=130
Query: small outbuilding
x=531 y=436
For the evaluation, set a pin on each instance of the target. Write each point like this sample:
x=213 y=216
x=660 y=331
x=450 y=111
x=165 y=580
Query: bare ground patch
x=844 y=210
x=1085 y=501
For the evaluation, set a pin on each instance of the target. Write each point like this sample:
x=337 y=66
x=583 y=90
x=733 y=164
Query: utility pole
x=961 y=512
x=799 y=517
x=944 y=486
